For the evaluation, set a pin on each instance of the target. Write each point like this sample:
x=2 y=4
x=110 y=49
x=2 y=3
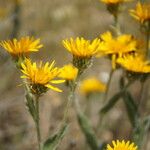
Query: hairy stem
x=117 y=25
x=108 y=85
x=16 y=21
x=37 y=122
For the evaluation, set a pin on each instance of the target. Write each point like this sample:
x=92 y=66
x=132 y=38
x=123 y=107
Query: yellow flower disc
x=82 y=48
x=116 y=46
x=92 y=85
x=41 y=75
x=23 y=46
x=114 y=1
x=68 y=72
x=122 y=145
x=141 y=12
x=135 y=63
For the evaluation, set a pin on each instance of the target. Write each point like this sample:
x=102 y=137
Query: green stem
x=16 y=21
x=108 y=85
x=37 y=122
x=117 y=25
x=69 y=102
x=141 y=95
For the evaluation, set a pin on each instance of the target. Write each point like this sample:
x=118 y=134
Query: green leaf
x=87 y=130
x=140 y=133
x=52 y=142
x=111 y=102
x=131 y=108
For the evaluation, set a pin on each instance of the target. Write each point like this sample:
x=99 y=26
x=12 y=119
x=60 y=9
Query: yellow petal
x=53 y=88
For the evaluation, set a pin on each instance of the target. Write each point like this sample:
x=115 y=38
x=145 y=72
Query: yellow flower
x=141 y=12
x=92 y=85
x=40 y=77
x=81 y=47
x=122 y=145
x=68 y=72
x=114 y=1
x=116 y=47
x=22 y=46
x=134 y=63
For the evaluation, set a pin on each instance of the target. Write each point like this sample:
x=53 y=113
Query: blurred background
x=53 y=21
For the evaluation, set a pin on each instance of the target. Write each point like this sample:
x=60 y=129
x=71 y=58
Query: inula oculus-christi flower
x=113 y=6
x=81 y=47
x=82 y=51
x=122 y=145
x=68 y=72
x=116 y=46
x=92 y=85
x=141 y=12
x=42 y=76
x=22 y=46
x=114 y=1
x=135 y=63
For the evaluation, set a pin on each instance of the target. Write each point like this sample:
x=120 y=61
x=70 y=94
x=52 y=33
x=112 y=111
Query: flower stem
x=108 y=84
x=117 y=25
x=16 y=21
x=69 y=102
x=37 y=122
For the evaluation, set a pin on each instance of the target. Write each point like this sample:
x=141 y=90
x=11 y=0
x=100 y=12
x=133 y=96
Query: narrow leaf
x=140 y=133
x=131 y=108
x=53 y=142
x=88 y=131
x=111 y=102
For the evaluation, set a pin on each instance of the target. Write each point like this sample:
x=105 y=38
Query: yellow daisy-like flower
x=116 y=46
x=114 y=1
x=68 y=72
x=81 y=47
x=92 y=85
x=21 y=47
x=134 y=63
x=40 y=77
x=122 y=145
x=141 y=12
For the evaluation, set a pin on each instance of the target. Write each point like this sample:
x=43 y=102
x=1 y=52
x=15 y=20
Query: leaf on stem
x=87 y=130
x=52 y=142
x=111 y=102
x=141 y=131
x=131 y=108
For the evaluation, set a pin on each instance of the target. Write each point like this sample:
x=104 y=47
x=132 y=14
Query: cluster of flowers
x=124 y=51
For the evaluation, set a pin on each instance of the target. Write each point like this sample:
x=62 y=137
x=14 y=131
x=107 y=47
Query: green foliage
x=87 y=131
x=30 y=105
x=111 y=102
x=131 y=108
x=140 y=132
x=52 y=142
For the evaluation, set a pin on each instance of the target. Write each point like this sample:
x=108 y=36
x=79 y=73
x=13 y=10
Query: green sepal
x=53 y=142
x=88 y=131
